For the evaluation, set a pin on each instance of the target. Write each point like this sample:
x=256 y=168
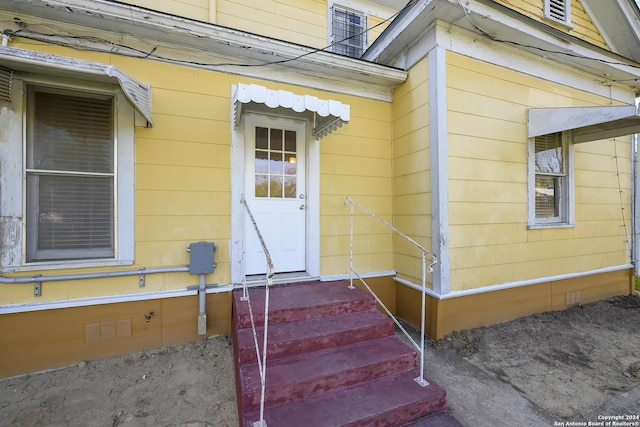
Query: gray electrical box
x=201 y=261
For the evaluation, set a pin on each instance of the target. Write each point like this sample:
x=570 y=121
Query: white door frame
x=238 y=213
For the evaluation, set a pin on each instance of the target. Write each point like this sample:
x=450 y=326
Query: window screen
x=70 y=176
x=348 y=32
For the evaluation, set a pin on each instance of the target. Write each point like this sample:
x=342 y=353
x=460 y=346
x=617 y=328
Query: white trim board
x=511 y=285
x=112 y=299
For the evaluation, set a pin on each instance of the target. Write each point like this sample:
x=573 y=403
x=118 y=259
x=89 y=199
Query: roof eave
x=220 y=44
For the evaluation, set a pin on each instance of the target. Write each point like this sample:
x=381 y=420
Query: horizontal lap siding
x=489 y=239
x=302 y=22
x=412 y=171
x=192 y=9
x=355 y=161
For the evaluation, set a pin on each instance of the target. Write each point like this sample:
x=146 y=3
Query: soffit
x=139 y=94
x=586 y=123
x=327 y=114
x=496 y=23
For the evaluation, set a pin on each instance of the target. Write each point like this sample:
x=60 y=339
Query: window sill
x=65 y=265
x=552 y=225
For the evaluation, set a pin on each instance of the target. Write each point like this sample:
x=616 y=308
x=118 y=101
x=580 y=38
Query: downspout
x=635 y=206
x=202 y=316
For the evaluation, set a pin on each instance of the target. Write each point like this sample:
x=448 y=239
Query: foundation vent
x=572 y=298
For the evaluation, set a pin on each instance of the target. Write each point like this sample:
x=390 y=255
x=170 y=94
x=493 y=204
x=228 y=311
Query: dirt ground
x=579 y=364
x=567 y=363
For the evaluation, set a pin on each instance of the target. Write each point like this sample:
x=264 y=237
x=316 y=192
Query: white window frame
x=356 y=11
x=551 y=5
x=567 y=195
x=13 y=178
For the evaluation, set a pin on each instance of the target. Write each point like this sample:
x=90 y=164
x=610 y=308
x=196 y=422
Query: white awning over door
x=587 y=123
x=327 y=114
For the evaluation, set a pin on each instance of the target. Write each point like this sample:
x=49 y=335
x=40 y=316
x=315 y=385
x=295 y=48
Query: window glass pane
x=70 y=177
x=547 y=195
x=262 y=138
x=262 y=189
x=276 y=139
x=275 y=166
x=348 y=32
x=275 y=187
x=290 y=187
x=549 y=154
x=290 y=141
x=262 y=163
x=72 y=213
x=71 y=133
x=290 y=166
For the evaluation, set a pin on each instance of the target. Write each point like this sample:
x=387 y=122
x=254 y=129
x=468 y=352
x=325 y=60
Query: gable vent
x=557 y=9
x=6 y=75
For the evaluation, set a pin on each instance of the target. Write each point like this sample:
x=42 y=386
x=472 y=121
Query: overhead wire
x=120 y=48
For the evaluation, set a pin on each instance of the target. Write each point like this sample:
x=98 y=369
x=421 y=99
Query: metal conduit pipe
x=38 y=278
x=102 y=275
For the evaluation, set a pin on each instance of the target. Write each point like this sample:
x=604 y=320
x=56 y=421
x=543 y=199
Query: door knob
x=302 y=207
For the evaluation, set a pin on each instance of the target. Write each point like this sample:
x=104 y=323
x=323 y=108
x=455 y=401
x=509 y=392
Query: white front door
x=275 y=191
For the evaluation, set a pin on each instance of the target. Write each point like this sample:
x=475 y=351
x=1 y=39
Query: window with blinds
x=550 y=177
x=349 y=31
x=69 y=175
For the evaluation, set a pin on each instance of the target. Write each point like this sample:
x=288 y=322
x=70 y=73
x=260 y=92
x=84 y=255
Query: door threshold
x=281 y=278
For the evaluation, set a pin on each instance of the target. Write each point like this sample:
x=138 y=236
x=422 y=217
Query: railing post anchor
x=421 y=381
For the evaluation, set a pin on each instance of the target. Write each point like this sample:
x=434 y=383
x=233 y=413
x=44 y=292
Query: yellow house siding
x=411 y=171
x=355 y=161
x=304 y=22
x=581 y=24
x=193 y=9
x=489 y=240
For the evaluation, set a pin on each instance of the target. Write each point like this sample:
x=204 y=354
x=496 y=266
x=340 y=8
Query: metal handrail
x=425 y=268
x=262 y=363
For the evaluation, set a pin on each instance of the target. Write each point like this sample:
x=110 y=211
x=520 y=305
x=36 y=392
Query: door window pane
x=275 y=163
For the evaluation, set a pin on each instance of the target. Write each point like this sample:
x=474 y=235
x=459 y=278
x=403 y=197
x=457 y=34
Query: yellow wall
x=489 y=240
x=192 y=9
x=581 y=24
x=356 y=161
x=183 y=189
x=411 y=171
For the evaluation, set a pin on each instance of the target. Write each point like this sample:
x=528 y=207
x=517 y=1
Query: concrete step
x=292 y=303
x=389 y=401
x=300 y=376
x=288 y=339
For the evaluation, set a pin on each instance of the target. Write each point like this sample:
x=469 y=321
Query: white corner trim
x=439 y=168
x=112 y=299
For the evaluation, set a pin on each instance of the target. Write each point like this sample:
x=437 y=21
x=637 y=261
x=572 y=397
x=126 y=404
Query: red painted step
x=333 y=360
x=389 y=401
x=286 y=339
x=292 y=303
x=309 y=374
